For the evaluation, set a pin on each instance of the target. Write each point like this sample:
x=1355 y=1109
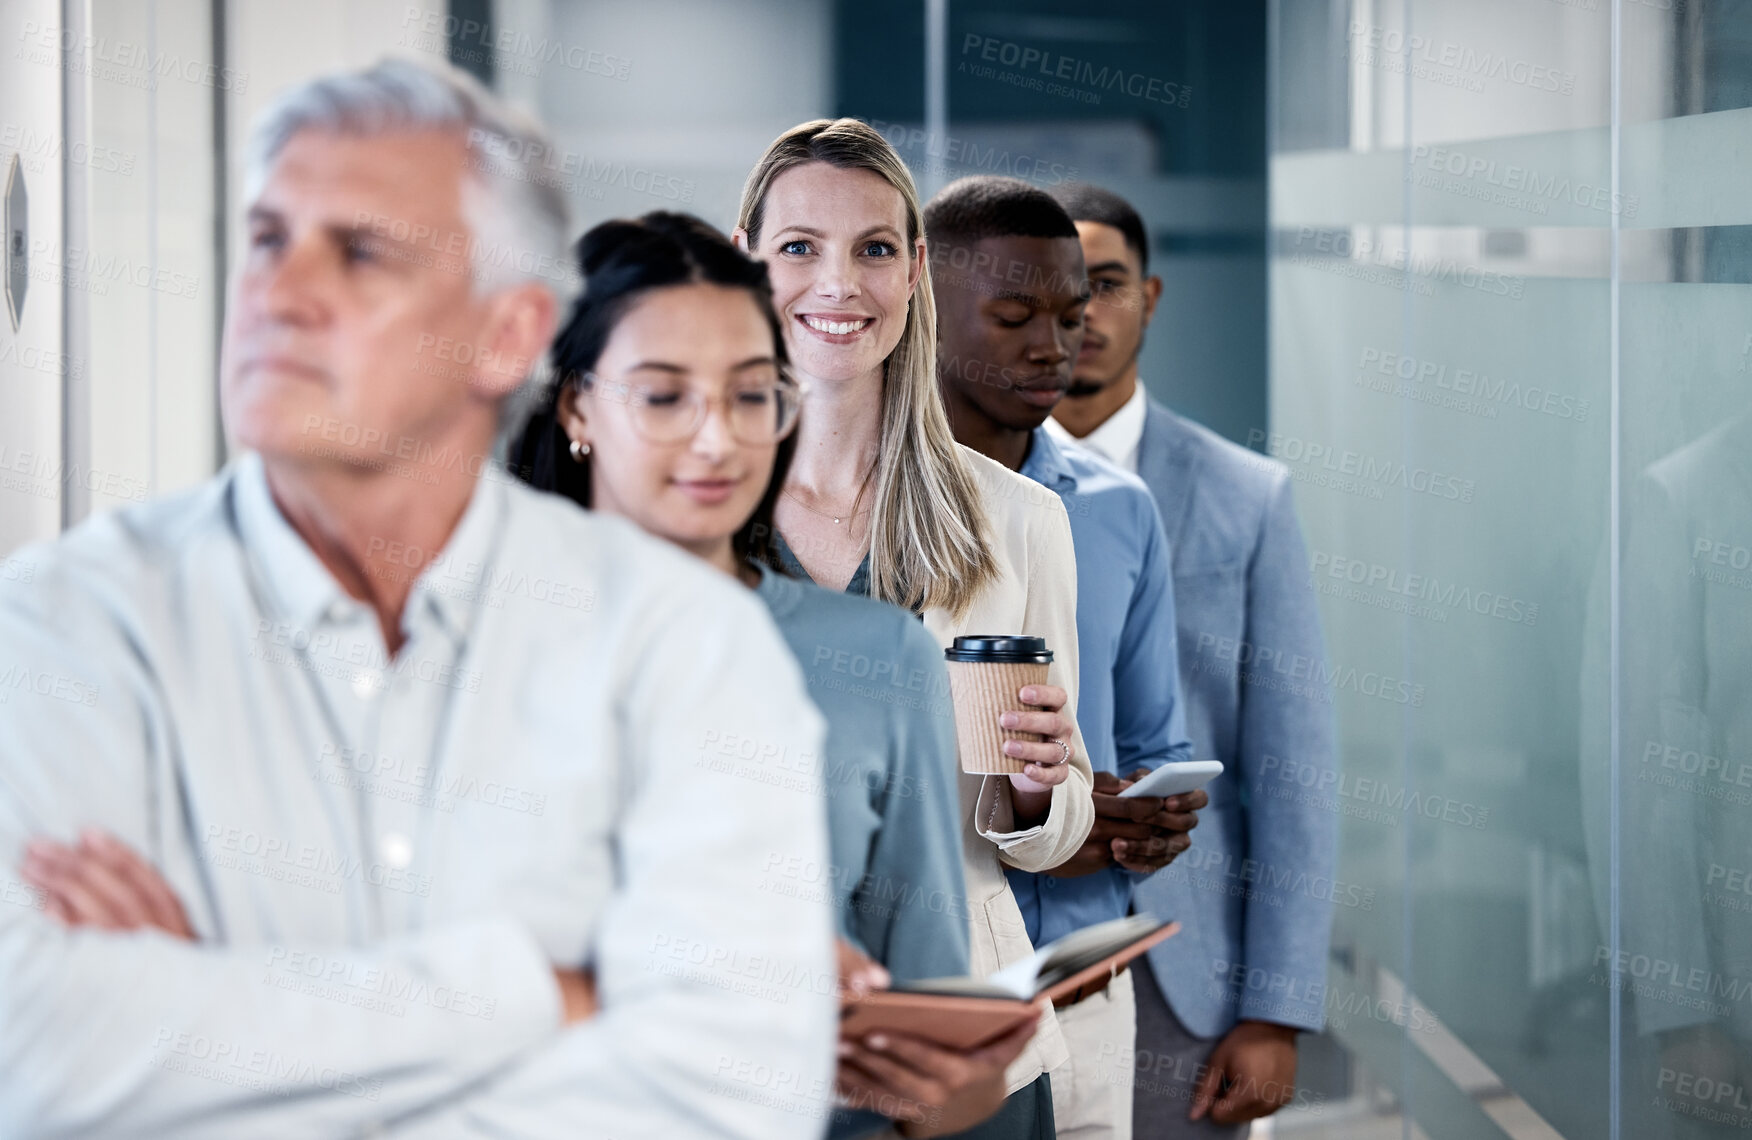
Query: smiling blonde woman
x=881 y=500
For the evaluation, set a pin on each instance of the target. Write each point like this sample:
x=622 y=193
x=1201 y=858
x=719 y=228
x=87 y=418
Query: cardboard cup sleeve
x=981 y=690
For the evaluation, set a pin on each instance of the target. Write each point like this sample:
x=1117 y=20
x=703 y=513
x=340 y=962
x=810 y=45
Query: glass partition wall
x=1509 y=334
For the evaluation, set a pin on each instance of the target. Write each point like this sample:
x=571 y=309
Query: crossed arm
x=100 y=884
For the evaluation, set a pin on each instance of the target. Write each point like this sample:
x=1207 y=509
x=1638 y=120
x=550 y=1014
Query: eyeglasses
x=761 y=406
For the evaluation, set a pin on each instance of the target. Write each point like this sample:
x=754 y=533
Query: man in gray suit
x=1219 y=1007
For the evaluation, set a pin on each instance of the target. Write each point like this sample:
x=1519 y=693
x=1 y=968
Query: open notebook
x=964 y=1013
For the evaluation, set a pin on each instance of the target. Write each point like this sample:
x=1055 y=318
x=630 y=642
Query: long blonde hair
x=929 y=544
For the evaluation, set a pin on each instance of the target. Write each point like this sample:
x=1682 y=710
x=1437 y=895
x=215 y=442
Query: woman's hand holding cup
x=1046 y=761
x=989 y=675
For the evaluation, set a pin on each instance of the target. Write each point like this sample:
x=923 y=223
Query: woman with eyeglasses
x=675 y=409
x=882 y=501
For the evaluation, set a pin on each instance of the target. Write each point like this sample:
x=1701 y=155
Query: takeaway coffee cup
x=985 y=673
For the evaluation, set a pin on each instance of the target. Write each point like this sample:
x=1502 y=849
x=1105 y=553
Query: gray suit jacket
x=1254 y=893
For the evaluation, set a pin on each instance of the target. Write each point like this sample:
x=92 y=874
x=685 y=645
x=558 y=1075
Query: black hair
x=622 y=261
x=1088 y=203
x=989 y=205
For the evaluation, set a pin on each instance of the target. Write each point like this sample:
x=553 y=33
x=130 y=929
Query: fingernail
x=1009 y=719
x=1012 y=748
x=876 y=1041
x=1028 y=695
x=845 y=1048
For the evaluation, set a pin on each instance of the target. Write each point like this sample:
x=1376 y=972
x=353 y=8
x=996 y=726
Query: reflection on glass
x=1684 y=955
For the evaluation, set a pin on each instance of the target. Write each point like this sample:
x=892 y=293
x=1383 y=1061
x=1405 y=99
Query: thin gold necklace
x=823 y=514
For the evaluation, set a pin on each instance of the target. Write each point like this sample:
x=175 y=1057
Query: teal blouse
x=889 y=772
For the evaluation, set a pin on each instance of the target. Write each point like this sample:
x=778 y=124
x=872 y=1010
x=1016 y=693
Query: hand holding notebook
x=964 y=1013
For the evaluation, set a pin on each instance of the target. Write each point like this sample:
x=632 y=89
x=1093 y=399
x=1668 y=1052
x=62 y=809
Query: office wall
x=147 y=315
x=108 y=397
x=34 y=366
x=672 y=101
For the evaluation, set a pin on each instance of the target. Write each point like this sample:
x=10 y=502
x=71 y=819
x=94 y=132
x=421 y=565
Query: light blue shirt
x=1129 y=705
x=383 y=857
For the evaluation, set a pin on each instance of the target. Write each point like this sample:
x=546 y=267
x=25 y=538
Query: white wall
x=107 y=392
x=33 y=362
x=149 y=329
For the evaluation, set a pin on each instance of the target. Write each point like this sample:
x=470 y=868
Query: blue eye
x=879 y=249
x=795 y=248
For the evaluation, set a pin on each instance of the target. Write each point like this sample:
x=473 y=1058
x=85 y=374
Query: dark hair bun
x=610 y=240
x=663 y=245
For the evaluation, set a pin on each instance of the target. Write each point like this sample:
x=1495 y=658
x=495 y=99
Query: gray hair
x=517 y=213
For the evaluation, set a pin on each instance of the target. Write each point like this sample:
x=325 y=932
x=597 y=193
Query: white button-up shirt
x=1118 y=436
x=592 y=750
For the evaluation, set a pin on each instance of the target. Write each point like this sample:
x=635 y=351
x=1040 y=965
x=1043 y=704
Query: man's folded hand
x=100 y=882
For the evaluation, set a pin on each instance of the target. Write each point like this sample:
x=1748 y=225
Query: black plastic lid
x=1002 y=648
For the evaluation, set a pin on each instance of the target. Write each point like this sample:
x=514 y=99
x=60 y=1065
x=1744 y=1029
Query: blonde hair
x=928 y=529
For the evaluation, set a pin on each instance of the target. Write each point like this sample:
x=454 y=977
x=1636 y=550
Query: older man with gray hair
x=358 y=790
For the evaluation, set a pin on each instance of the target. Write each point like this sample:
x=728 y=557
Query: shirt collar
x=302 y=589
x=1118 y=436
x=859 y=585
x=1046 y=462
x=456 y=584
x=452 y=587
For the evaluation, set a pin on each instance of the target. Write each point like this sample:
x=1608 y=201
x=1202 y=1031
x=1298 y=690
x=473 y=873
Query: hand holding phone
x=1174 y=779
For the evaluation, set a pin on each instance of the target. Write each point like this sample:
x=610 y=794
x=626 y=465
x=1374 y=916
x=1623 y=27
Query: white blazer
x=1035 y=594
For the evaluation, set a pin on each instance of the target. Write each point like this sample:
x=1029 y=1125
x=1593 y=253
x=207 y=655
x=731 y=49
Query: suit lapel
x=1166 y=466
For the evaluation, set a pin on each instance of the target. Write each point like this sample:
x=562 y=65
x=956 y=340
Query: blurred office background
x=1476 y=271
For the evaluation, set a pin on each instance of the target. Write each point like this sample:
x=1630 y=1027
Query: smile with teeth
x=836 y=328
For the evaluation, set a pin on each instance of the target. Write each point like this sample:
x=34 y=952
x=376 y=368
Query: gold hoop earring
x=579 y=450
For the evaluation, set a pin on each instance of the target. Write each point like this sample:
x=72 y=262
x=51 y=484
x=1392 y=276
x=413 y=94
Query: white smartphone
x=1172 y=779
